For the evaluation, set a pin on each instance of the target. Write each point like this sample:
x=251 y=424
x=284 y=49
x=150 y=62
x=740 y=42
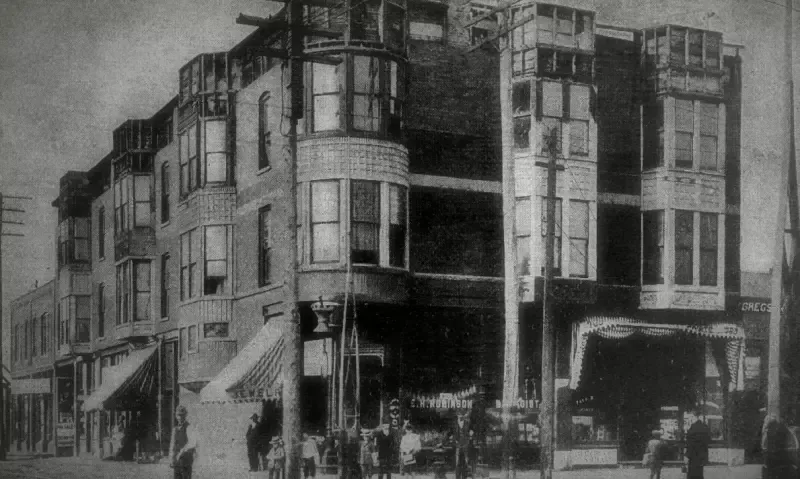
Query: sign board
x=65 y=434
x=30 y=386
x=614 y=33
x=752 y=367
x=755 y=305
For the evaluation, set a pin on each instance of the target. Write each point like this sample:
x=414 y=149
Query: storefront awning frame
x=619 y=327
x=136 y=374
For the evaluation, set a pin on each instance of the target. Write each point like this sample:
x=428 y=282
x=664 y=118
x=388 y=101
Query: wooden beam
x=499 y=8
x=502 y=32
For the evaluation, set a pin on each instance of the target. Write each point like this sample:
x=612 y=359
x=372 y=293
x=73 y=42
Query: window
x=101 y=310
x=579 y=120
x=120 y=205
x=25 y=332
x=83 y=318
x=557 y=242
x=677 y=51
x=216 y=267
x=44 y=327
x=552 y=111
x=325 y=92
x=684 y=241
x=191 y=343
x=365 y=222
x=394 y=32
x=713 y=44
x=82 y=239
x=366 y=19
x=397 y=225
x=366 y=93
x=426 y=23
x=165 y=283
x=142 y=186
x=190 y=249
x=709 y=225
x=523 y=41
x=63 y=321
x=523 y=224
x=544 y=23
x=653 y=247
x=521 y=105
x=695 y=48
x=74 y=240
x=182 y=340
x=684 y=133
x=264 y=139
x=101 y=233
x=141 y=282
x=579 y=238
x=216 y=151
x=188 y=160
x=564 y=27
x=164 y=192
x=324 y=221
x=123 y=293
x=215 y=330
x=709 y=120
x=34 y=332
x=264 y=247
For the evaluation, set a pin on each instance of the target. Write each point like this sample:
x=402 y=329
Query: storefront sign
x=519 y=403
x=65 y=434
x=440 y=403
x=30 y=386
x=754 y=305
x=614 y=33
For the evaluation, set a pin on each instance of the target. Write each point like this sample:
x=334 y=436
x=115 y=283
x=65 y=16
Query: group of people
x=264 y=451
x=698 y=438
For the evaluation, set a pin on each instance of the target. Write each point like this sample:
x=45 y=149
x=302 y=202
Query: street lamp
x=326 y=321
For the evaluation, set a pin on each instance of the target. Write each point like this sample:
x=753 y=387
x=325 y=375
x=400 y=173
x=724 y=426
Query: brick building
x=173 y=248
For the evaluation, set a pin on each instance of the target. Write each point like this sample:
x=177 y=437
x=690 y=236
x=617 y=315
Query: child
x=366 y=457
x=655 y=448
x=276 y=459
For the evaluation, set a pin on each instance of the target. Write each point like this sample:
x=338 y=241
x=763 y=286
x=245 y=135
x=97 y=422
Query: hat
x=276 y=440
x=181 y=410
x=657 y=433
x=366 y=432
x=254 y=416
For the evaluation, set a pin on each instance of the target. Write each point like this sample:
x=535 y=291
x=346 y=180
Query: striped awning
x=254 y=373
x=127 y=384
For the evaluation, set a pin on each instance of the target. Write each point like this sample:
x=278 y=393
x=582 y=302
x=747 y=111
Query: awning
x=254 y=373
x=127 y=384
x=613 y=327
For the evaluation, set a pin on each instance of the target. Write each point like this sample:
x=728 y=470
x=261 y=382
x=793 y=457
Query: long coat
x=697 y=440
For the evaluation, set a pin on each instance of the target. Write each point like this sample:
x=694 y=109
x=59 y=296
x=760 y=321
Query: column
x=42 y=423
x=86 y=425
x=75 y=440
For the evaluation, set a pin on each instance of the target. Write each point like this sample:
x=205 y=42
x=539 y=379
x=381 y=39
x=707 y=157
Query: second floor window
x=324 y=221
x=709 y=225
x=165 y=192
x=365 y=222
x=101 y=232
x=557 y=242
x=216 y=260
x=101 y=310
x=684 y=246
x=579 y=238
x=190 y=251
x=653 y=247
x=264 y=246
x=264 y=138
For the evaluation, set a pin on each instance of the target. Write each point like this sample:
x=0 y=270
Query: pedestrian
x=276 y=459
x=386 y=445
x=654 y=455
x=462 y=438
x=410 y=445
x=697 y=439
x=252 y=437
x=365 y=458
x=775 y=448
x=182 y=446
x=310 y=457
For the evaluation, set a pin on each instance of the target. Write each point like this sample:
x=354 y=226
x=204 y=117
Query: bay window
x=74 y=240
x=579 y=238
x=579 y=119
x=189 y=170
x=521 y=105
x=142 y=290
x=684 y=247
x=365 y=222
x=709 y=227
x=552 y=109
x=397 y=225
x=326 y=86
x=709 y=120
x=123 y=293
x=523 y=227
x=366 y=90
x=557 y=242
x=653 y=247
x=324 y=221
x=190 y=250
x=216 y=151
x=216 y=260
x=684 y=133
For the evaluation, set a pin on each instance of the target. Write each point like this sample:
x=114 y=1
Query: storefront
x=33 y=414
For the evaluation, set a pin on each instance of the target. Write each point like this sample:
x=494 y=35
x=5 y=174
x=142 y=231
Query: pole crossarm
x=11 y=234
x=490 y=13
x=9 y=222
x=15 y=197
x=502 y=33
x=16 y=210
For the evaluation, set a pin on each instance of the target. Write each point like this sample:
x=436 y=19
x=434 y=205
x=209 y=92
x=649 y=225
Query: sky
x=73 y=70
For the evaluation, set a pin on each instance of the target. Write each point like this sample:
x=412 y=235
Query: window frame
x=682 y=245
x=573 y=239
x=165 y=193
x=371 y=225
x=558 y=243
x=337 y=221
x=709 y=248
x=653 y=239
x=265 y=245
x=223 y=286
x=264 y=133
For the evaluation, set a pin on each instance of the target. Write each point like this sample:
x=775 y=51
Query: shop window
x=216 y=260
x=101 y=232
x=165 y=192
x=191 y=341
x=365 y=222
x=101 y=310
x=426 y=23
x=523 y=226
x=579 y=120
x=264 y=246
x=190 y=250
x=141 y=283
x=684 y=133
x=365 y=19
x=557 y=242
x=264 y=138
x=215 y=330
x=123 y=292
x=579 y=239
x=83 y=318
x=708 y=248
x=709 y=121
x=324 y=221
x=366 y=93
x=521 y=105
x=653 y=247
x=397 y=225
x=684 y=245
x=166 y=280
x=326 y=88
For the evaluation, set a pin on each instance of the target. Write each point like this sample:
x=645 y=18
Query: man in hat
x=365 y=458
x=462 y=437
x=252 y=442
x=387 y=451
x=697 y=439
x=182 y=446
x=276 y=459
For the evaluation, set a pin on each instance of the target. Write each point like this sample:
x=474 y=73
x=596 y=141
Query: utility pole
x=783 y=294
x=3 y=406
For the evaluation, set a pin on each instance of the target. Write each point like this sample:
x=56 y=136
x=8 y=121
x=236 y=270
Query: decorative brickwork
x=358 y=158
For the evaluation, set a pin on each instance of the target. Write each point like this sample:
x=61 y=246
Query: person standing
x=365 y=457
x=462 y=438
x=182 y=446
x=252 y=438
x=775 y=448
x=385 y=444
x=310 y=457
x=697 y=440
x=276 y=459
x=410 y=445
x=655 y=449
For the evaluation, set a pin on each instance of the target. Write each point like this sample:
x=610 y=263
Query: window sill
x=264 y=170
x=164 y=318
x=165 y=224
x=260 y=290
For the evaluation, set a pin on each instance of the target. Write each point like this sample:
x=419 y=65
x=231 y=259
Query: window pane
x=678 y=46
x=708 y=230
x=708 y=152
x=366 y=201
x=579 y=219
x=81 y=249
x=325 y=78
x=397 y=204
x=684 y=115
x=192 y=342
x=523 y=255
x=142 y=214
x=215 y=136
x=326 y=112
x=191 y=141
x=142 y=275
x=579 y=257
x=684 y=144
x=557 y=217
x=216 y=243
x=552 y=99
x=712 y=49
x=522 y=129
x=81 y=227
x=695 y=48
x=551 y=132
x=397 y=225
x=653 y=247
x=365 y=243
x=523 y=213
x=366 y=113
x=83 y=307
x=215 y=330
x=365 y=74
x=216 y=167
x=579 y=137
x=521 y=97
x=709 y=113
x=185 y=249
x=142 y=307
x=217 y=268
x=325 y=242
x=324 y=201
x=684 y=237
x=579 y=102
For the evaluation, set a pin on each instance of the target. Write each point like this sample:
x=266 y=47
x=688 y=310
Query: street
x=69 y=468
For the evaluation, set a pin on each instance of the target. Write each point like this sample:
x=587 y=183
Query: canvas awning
x=613 y=327
x=128 y=383
x=254 y=373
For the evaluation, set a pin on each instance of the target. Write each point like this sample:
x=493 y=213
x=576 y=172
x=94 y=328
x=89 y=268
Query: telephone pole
x=3 y=406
